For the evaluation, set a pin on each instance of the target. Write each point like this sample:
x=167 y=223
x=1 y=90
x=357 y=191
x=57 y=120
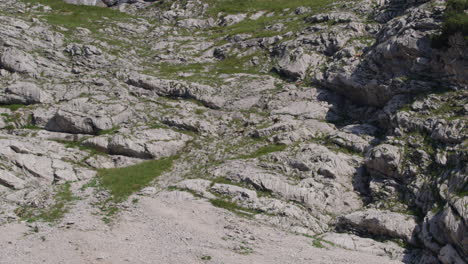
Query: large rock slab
x=381 y=223
x=174 y=88
x=24 y=93
x=384 y=160
x=18 y=61
x=145 y=144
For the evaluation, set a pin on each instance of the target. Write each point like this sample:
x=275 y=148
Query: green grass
x=108 y=131
x=54 y=212
x=317 y=243
x=73 y=16
x=13 y=107
x=233 y=207
x=122 y=182
x=263 y=151
x=206 y=258
x=249 y=6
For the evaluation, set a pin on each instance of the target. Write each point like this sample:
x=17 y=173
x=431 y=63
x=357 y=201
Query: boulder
x=384 y=160
x=381 y=223
x=9 y=180
x=18 y=61
x=24 y=93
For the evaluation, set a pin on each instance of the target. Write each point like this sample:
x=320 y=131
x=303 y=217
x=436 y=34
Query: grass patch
x=13 y=107
x=108 y=131
x=318 y=241
x=249 y=6
x=233 y=207
x=263 y=151
x=54 y=212
x=122 y=182
x=73 y=16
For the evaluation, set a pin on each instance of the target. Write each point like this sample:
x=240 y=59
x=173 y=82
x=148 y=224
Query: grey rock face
x=382 y=223
x=353 y=242
x=9 y=180
x=203 y=93
x=403 y=43
x=24 y=93
x=381 y=138
x=384 y=160
x=18 y=61
x=146 y=144
x=294 y=64
x=28 y=162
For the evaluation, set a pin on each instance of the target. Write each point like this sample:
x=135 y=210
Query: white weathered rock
x=356 y=243
x=24 y=93
x=383 y=223
x=9 y=180
x=18 y=61
x=173 y=88
x=145 y=144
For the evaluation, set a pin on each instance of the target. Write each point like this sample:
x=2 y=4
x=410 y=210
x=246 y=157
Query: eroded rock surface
x=318 y=120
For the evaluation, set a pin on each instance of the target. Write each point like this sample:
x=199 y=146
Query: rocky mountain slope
x=318 y=131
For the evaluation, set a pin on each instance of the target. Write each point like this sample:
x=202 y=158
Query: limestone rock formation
x=339 y=125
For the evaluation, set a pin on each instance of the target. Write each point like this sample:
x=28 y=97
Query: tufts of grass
x=52 y=213
x=73 y=16
x=264 y=151
x=317 y=243
x=13 y=107
x=233 y=207
x=249 y=6
x=91 y=184
x=108 y=131
x=122 y=182
x=206 y=258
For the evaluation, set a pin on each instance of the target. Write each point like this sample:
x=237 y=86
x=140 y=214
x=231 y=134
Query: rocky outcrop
x=384 y=160
x=382 y=223
x=144 y=144
x=15 y=60
x=25 y=93
x=172 y=88
x=349 y=128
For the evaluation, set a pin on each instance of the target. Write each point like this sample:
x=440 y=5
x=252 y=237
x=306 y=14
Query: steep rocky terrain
x=223 y=131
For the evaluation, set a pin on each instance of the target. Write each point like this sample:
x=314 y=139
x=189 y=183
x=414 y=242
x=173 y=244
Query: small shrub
x=455 y=21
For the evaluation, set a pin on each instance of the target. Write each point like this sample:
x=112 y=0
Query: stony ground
x=171 y=227
x=232 y=132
